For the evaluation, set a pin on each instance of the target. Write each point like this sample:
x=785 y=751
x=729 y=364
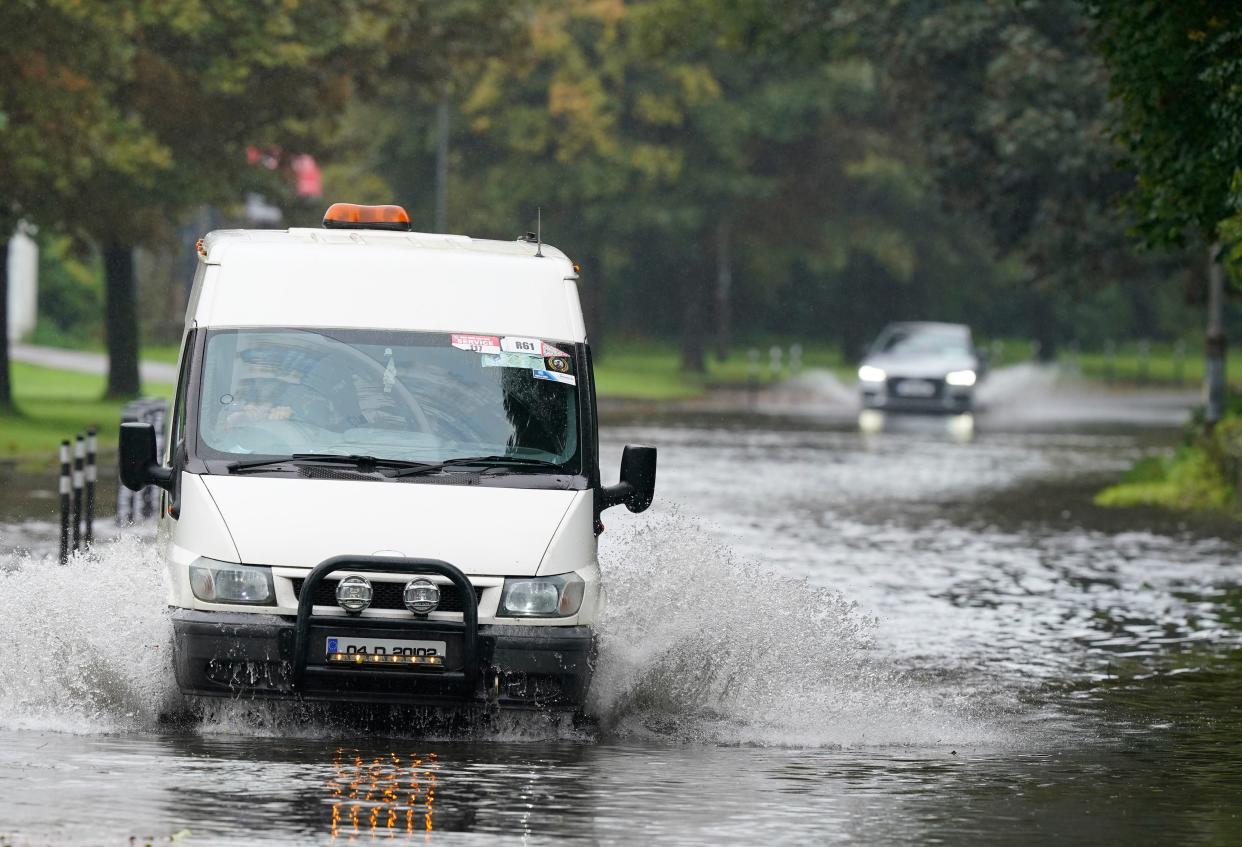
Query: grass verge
x=649 y=371
x=1201 y=475
x=1158 y=364
x=54 y=405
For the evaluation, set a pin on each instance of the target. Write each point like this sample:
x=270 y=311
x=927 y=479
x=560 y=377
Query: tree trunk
x=694 y=321
x=6 y=384
x=121 y=322
x=442 y=164
x=590 y=291
x=1046 y=333
x=724 y=291
x=1214 y=363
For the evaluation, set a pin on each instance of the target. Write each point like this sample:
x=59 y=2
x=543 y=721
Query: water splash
x=695 y=646
x=88 y=643
x=699 y=647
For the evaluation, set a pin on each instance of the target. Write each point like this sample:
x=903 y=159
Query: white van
x=382 y=481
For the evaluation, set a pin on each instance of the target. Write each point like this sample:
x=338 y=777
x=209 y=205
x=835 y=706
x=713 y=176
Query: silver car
x=921 y=367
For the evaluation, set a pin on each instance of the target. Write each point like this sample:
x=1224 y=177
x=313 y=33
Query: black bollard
x=79 y=460
x=92 y=476
x=64 y=501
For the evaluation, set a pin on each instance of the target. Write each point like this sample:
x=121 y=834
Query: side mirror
x=136 y=457
x=637 y=486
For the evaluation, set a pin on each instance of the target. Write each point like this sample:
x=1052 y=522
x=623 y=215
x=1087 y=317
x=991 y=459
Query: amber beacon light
x=354 y=216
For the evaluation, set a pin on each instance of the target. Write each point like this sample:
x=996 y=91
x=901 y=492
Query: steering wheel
x=368 y=368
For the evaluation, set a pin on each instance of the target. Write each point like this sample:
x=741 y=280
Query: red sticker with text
x=476 y=343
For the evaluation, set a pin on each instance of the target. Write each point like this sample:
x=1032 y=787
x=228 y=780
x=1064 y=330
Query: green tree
x=670 y=145
x=158 y=102
x=1175 y=73
x=1176 y=76
x=55 y=118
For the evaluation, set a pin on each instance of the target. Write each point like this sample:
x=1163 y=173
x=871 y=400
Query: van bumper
x=240 y=655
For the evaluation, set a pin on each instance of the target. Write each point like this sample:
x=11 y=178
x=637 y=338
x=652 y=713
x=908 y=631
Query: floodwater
x=920 y=633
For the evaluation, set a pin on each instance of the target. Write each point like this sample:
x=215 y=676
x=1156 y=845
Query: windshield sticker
x=552 y=376
x=550 y=351
x=557 y=363
x=476 y=343
x=390 y=372
x=511 y=360
x=515 y=344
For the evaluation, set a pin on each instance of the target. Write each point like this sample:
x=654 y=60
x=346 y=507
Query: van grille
x=387 y=595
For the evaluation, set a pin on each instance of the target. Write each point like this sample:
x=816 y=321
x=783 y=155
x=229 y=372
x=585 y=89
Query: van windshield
x=393 y=395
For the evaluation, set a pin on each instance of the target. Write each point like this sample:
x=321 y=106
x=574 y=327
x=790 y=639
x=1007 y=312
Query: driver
x=323 y=395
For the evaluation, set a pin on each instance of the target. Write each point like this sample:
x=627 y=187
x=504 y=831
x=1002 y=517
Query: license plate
x=384 y=651
x=916 y=388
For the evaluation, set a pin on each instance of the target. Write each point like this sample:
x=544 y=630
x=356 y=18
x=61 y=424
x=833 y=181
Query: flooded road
x=817 y=635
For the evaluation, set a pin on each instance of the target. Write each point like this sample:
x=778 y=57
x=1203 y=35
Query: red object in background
x=308 y=179
x=265 y=157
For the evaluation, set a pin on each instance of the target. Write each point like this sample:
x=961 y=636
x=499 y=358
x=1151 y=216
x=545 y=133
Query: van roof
x=358 y=278
x=220 y=242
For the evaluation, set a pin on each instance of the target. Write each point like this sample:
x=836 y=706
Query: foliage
x=723 y=171
x=116 y=117
x=1203 y=474
x=1186 y=481
x=1176 y=73
x=70 y=289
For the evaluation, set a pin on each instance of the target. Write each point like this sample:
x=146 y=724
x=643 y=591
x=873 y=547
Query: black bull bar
x=468 y=627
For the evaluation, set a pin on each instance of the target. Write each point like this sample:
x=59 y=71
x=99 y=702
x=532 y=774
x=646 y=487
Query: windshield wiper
x=494 y=461
x=363 y=463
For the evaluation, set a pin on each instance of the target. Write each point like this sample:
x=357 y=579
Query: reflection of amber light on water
x=353 y=794
x=431 y=792
x=414 y=791
x=335 y=785
x=385 y=797
x=431 y=797
x=373 y=780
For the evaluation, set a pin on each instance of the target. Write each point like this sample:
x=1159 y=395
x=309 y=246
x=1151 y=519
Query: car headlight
x=870 y=373
x=542 y=597
x=964 y=379
x=225 y=582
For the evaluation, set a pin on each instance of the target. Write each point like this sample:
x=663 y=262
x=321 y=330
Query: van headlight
x=542 y=597
x=225 y=582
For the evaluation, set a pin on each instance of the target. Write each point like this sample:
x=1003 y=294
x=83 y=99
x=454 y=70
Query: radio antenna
x=539 y=231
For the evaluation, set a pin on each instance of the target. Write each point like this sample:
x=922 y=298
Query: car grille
x=386 y=595
x=894 y=388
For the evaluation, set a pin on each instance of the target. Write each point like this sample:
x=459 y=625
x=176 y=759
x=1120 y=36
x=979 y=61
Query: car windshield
x=920 y=341
x=419 y=397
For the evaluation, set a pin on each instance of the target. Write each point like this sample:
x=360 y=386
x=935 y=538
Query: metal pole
x=92 y=476
x=1214 y=360
x=79 y=460
x=752 y=373
x=64 y=501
